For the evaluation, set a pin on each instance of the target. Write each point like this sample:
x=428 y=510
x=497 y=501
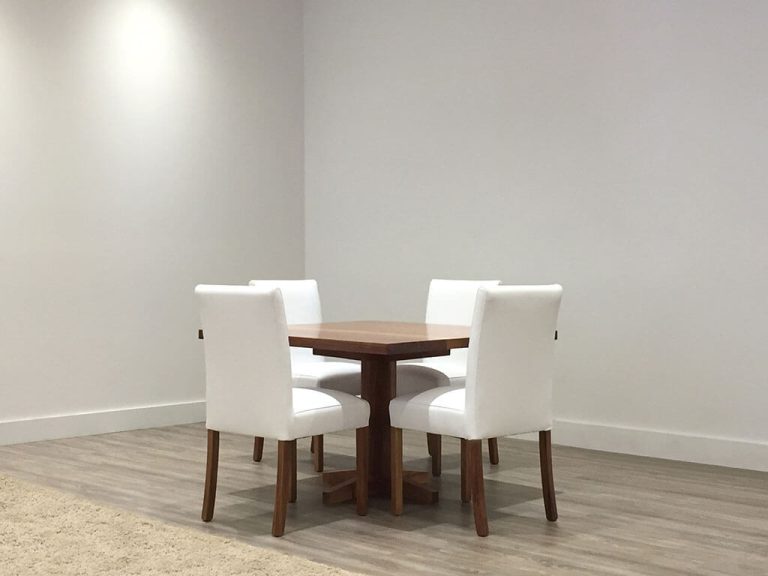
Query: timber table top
x=396 y=339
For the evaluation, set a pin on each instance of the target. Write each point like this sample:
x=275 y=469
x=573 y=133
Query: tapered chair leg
x=258 y=448
x=477 y=486
x=396 y=454
x=211 y=475
x=361 y=482
x=465 y=496
x=283 y=487
x=434 y=445
x=294 y=469
x=547 y=477
x=317 y=452
x=493 y=450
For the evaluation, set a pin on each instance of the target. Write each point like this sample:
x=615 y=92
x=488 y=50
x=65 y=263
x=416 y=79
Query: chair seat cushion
x=317 y=411
x=437 y=410
x=341 y=376
x=421 y=376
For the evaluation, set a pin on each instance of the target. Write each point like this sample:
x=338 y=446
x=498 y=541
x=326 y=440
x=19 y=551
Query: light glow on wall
x=147 y=47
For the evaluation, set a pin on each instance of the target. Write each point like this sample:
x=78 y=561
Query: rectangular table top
x=379 y=338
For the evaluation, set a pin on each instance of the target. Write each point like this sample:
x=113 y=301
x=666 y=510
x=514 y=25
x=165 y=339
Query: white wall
x=616 y=147
x=145 y=147
x=619 y=148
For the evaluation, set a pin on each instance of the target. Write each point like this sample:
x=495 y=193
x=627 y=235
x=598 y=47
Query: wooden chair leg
x=283 y=487
x=361 y=483
x=477 y=486
x=317 y=452
x=258 y=448
x=465 y=496
x=547 y=477
x=493 y=450
x=211 y=475
x=396 y=454
x=294 y=468
x=434 y=445
x=312 y=444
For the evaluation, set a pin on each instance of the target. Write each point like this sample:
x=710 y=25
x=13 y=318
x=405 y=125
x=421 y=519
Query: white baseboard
x=102 y=422
x=731 y=452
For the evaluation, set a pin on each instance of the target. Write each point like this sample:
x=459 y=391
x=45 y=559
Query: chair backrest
x=453 y=302
x=302 y=306
x=511 y=357
x=248 y=385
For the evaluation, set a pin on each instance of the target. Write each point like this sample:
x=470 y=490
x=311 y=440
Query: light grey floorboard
x=619 y=515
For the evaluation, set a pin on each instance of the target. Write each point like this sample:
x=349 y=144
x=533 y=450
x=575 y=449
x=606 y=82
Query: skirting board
x=103 y=422
x=730 y=452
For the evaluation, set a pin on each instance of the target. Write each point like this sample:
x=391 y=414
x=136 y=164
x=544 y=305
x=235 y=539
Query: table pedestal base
x=339 y=486
x=378 y=380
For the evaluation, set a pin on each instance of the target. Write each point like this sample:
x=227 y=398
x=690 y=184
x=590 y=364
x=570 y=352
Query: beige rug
x=43 y=531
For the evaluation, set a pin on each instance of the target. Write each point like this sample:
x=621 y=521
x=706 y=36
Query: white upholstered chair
x=302 y=306
x=250 y=390
x=508 y=391
x=448 y=302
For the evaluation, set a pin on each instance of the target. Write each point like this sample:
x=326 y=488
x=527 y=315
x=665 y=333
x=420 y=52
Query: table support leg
x=378 y=387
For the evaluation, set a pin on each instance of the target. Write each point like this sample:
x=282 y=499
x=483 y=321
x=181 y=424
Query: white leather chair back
x=302 y=306
x=453 y=302
x=248 y=385
x=510 y=367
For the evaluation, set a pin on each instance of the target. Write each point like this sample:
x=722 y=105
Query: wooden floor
x=619 y=515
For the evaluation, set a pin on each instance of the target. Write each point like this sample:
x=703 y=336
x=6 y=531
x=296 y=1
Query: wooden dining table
x=378 y=346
